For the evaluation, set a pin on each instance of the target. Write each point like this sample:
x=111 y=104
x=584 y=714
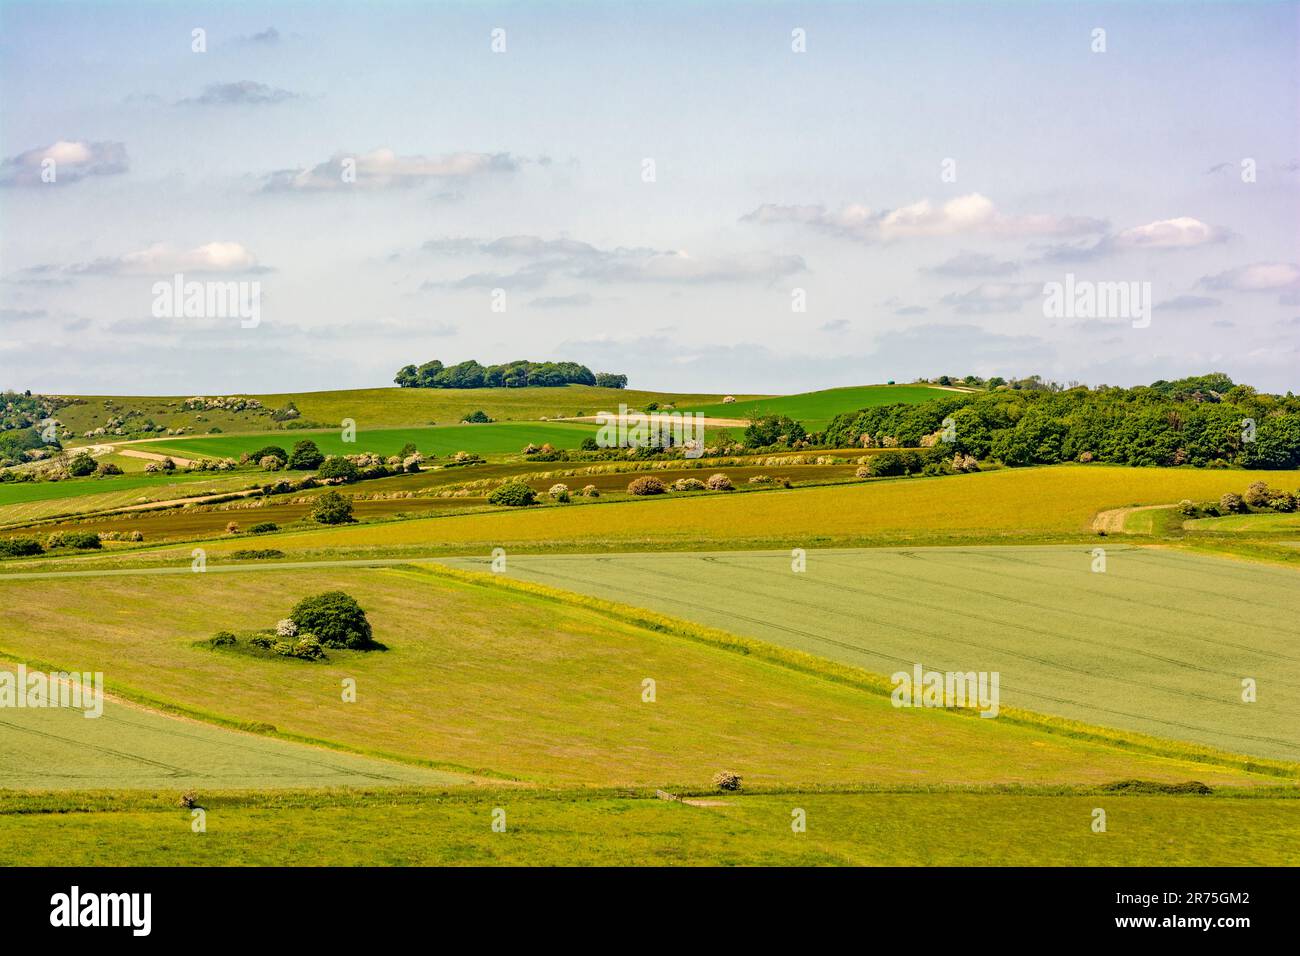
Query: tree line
x=520 y=374
x=1202 y=421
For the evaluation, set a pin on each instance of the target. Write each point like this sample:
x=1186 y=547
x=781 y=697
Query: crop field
x=32 y=501
x=854 y=829
x=129 y=747
x=1011 y=505
x=1112 y=648
x=814 y=410
x=482 y=680
x=499 y=438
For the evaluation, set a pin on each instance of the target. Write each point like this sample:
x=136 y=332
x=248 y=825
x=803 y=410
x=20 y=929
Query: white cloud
x=1180 y=233
x=1257 y=277
x=160 y=259
x=73 y=161
x=384 y=169
x=972 y=214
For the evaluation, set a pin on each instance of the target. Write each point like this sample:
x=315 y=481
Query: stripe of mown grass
x=856 y=677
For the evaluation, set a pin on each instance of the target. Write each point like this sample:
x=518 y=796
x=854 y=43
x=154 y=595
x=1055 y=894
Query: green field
x=1158 y=643
x=486 y=680
x=814 y=410
x=390 y=407
x=501 y=438
x=854 y=829
x=131 y=747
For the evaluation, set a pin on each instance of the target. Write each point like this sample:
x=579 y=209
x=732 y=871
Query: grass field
x=33 y=501
x=855 y=829
x=814 y=410
x=479 y=679
x=374 y=408
x=1158 y=643
x=131 y=747
x=500 y=438
x=1002 y=506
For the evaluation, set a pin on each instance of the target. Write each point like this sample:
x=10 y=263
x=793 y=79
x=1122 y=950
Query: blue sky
x=522 y=171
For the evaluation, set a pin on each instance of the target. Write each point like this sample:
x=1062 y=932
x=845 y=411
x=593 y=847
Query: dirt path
x=154 y=456
x=1112 y=521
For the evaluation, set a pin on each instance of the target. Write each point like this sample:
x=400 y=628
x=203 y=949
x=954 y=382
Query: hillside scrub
x=1201 y=421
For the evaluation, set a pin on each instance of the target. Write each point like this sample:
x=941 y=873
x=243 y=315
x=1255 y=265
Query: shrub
x=262 y=640
x=514 y=494
x=479 y=417
x=408 y=450
x=262 y=527
x=589 y=444
x=137 y=535
x=256 y=554
x=1188 y=508
x=336 y=467
x=1232 y=504
x=81 y=466
x=305 y=456
x=887 y=464
x=719 y=482
x=1256 y=494
x=286 y=628
x=308 y=648
x=762 y=480
x=74 y=539
x=688 y=484
x=221 y=639
x=1282 y=501
x=646 y=485
x=590 y=491
x=559 y=492
x=270 y=463
x=232 y=527
x=335 y=618
x=270 y=451
x=726 y=780
x=332 y=508
x=108 y=468
x=20 y=548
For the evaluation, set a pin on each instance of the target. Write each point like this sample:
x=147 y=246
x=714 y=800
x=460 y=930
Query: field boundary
x=857 y=677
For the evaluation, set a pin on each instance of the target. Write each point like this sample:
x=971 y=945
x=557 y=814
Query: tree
x=305 y=455
x=335 y=618
x=479 y=417
x=513 y=494
x=274 y=451
x=82 y=465
x=338 y=467
x=610 y=380
x=773 y=430
x=332 y=508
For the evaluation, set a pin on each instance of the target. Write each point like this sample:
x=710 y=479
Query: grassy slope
x=1004 y=506
x=868 y=829
x=480 y=678
x=492 y=439
x=131 y=747
x=1114 y=649
x=815 y=409
x=390 y=407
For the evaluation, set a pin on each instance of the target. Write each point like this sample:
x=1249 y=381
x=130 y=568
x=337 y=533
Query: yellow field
x=1002 y=505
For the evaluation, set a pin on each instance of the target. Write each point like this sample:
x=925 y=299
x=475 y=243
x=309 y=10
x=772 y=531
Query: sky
x=707 y=197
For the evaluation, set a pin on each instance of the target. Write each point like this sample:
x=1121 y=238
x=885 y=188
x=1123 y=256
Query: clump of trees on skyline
x=520 y=374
